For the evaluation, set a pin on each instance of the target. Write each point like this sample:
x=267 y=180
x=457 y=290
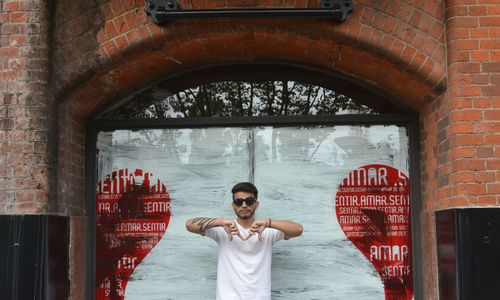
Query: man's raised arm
x=199 y=225
x=289 y=228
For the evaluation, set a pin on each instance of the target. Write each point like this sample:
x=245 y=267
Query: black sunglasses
x=249 y=201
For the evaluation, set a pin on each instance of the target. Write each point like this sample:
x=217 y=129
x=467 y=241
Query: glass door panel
x=298 y=171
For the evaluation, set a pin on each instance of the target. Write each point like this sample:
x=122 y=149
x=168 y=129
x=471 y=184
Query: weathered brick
x=468 y=164
x=466 y=115
x=100 y=53
x=489 y=21
x=493 y=188
x=470 y=189
x=482 y=103
x=10 y=6
x=477 y=10
x=485 y=177
x=491 y=67
x=487 y=200
x=493 y=91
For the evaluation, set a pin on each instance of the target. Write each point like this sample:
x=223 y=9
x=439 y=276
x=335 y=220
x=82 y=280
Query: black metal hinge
x=162 y=11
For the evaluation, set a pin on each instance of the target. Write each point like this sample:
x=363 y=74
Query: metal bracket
x=162 y=11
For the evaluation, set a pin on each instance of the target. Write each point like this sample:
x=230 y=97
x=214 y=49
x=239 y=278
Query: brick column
x=461 y=140
x=25 y=118
x=469 y=174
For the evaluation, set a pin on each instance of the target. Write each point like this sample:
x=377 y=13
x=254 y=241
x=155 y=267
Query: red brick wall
x=469 y=173
x=442 y=60
x=105 y=50
x=25 y=122
x=461 y=128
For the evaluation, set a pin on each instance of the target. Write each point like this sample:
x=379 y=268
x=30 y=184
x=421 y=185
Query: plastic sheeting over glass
x=297 y=171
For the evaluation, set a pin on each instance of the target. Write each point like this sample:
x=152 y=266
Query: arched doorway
x=315 y=143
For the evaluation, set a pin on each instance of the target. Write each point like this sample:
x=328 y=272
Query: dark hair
x=245 y=187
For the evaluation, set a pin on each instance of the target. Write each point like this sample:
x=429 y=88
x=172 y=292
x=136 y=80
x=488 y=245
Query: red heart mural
x=132 y=215
x=373 y=209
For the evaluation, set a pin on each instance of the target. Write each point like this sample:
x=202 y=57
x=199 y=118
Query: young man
x=245 y=246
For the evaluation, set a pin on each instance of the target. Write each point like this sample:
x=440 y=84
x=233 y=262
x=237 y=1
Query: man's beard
x=245 y=217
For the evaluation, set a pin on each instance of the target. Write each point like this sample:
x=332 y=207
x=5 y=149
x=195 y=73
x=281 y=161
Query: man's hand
x=257 y=228
x=231 y=228
x=200 y=225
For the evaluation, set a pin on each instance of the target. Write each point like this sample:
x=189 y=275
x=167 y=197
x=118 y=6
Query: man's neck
x=245 y=223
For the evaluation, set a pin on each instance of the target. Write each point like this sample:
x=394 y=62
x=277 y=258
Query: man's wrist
x=269 y=223
x=220 y=222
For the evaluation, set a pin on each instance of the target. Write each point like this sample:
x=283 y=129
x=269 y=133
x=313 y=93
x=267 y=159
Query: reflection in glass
x=237 y=99
x=297 y=171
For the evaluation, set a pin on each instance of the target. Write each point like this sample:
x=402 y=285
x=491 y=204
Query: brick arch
x=134 y=66
x=384 y=43
x=113 y=48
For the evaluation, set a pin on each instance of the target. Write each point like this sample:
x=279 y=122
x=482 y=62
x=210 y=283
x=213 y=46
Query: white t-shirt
x=244 y=267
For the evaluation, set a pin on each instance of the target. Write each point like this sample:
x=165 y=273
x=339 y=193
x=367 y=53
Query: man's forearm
x=289 y=228
x=201 y=224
